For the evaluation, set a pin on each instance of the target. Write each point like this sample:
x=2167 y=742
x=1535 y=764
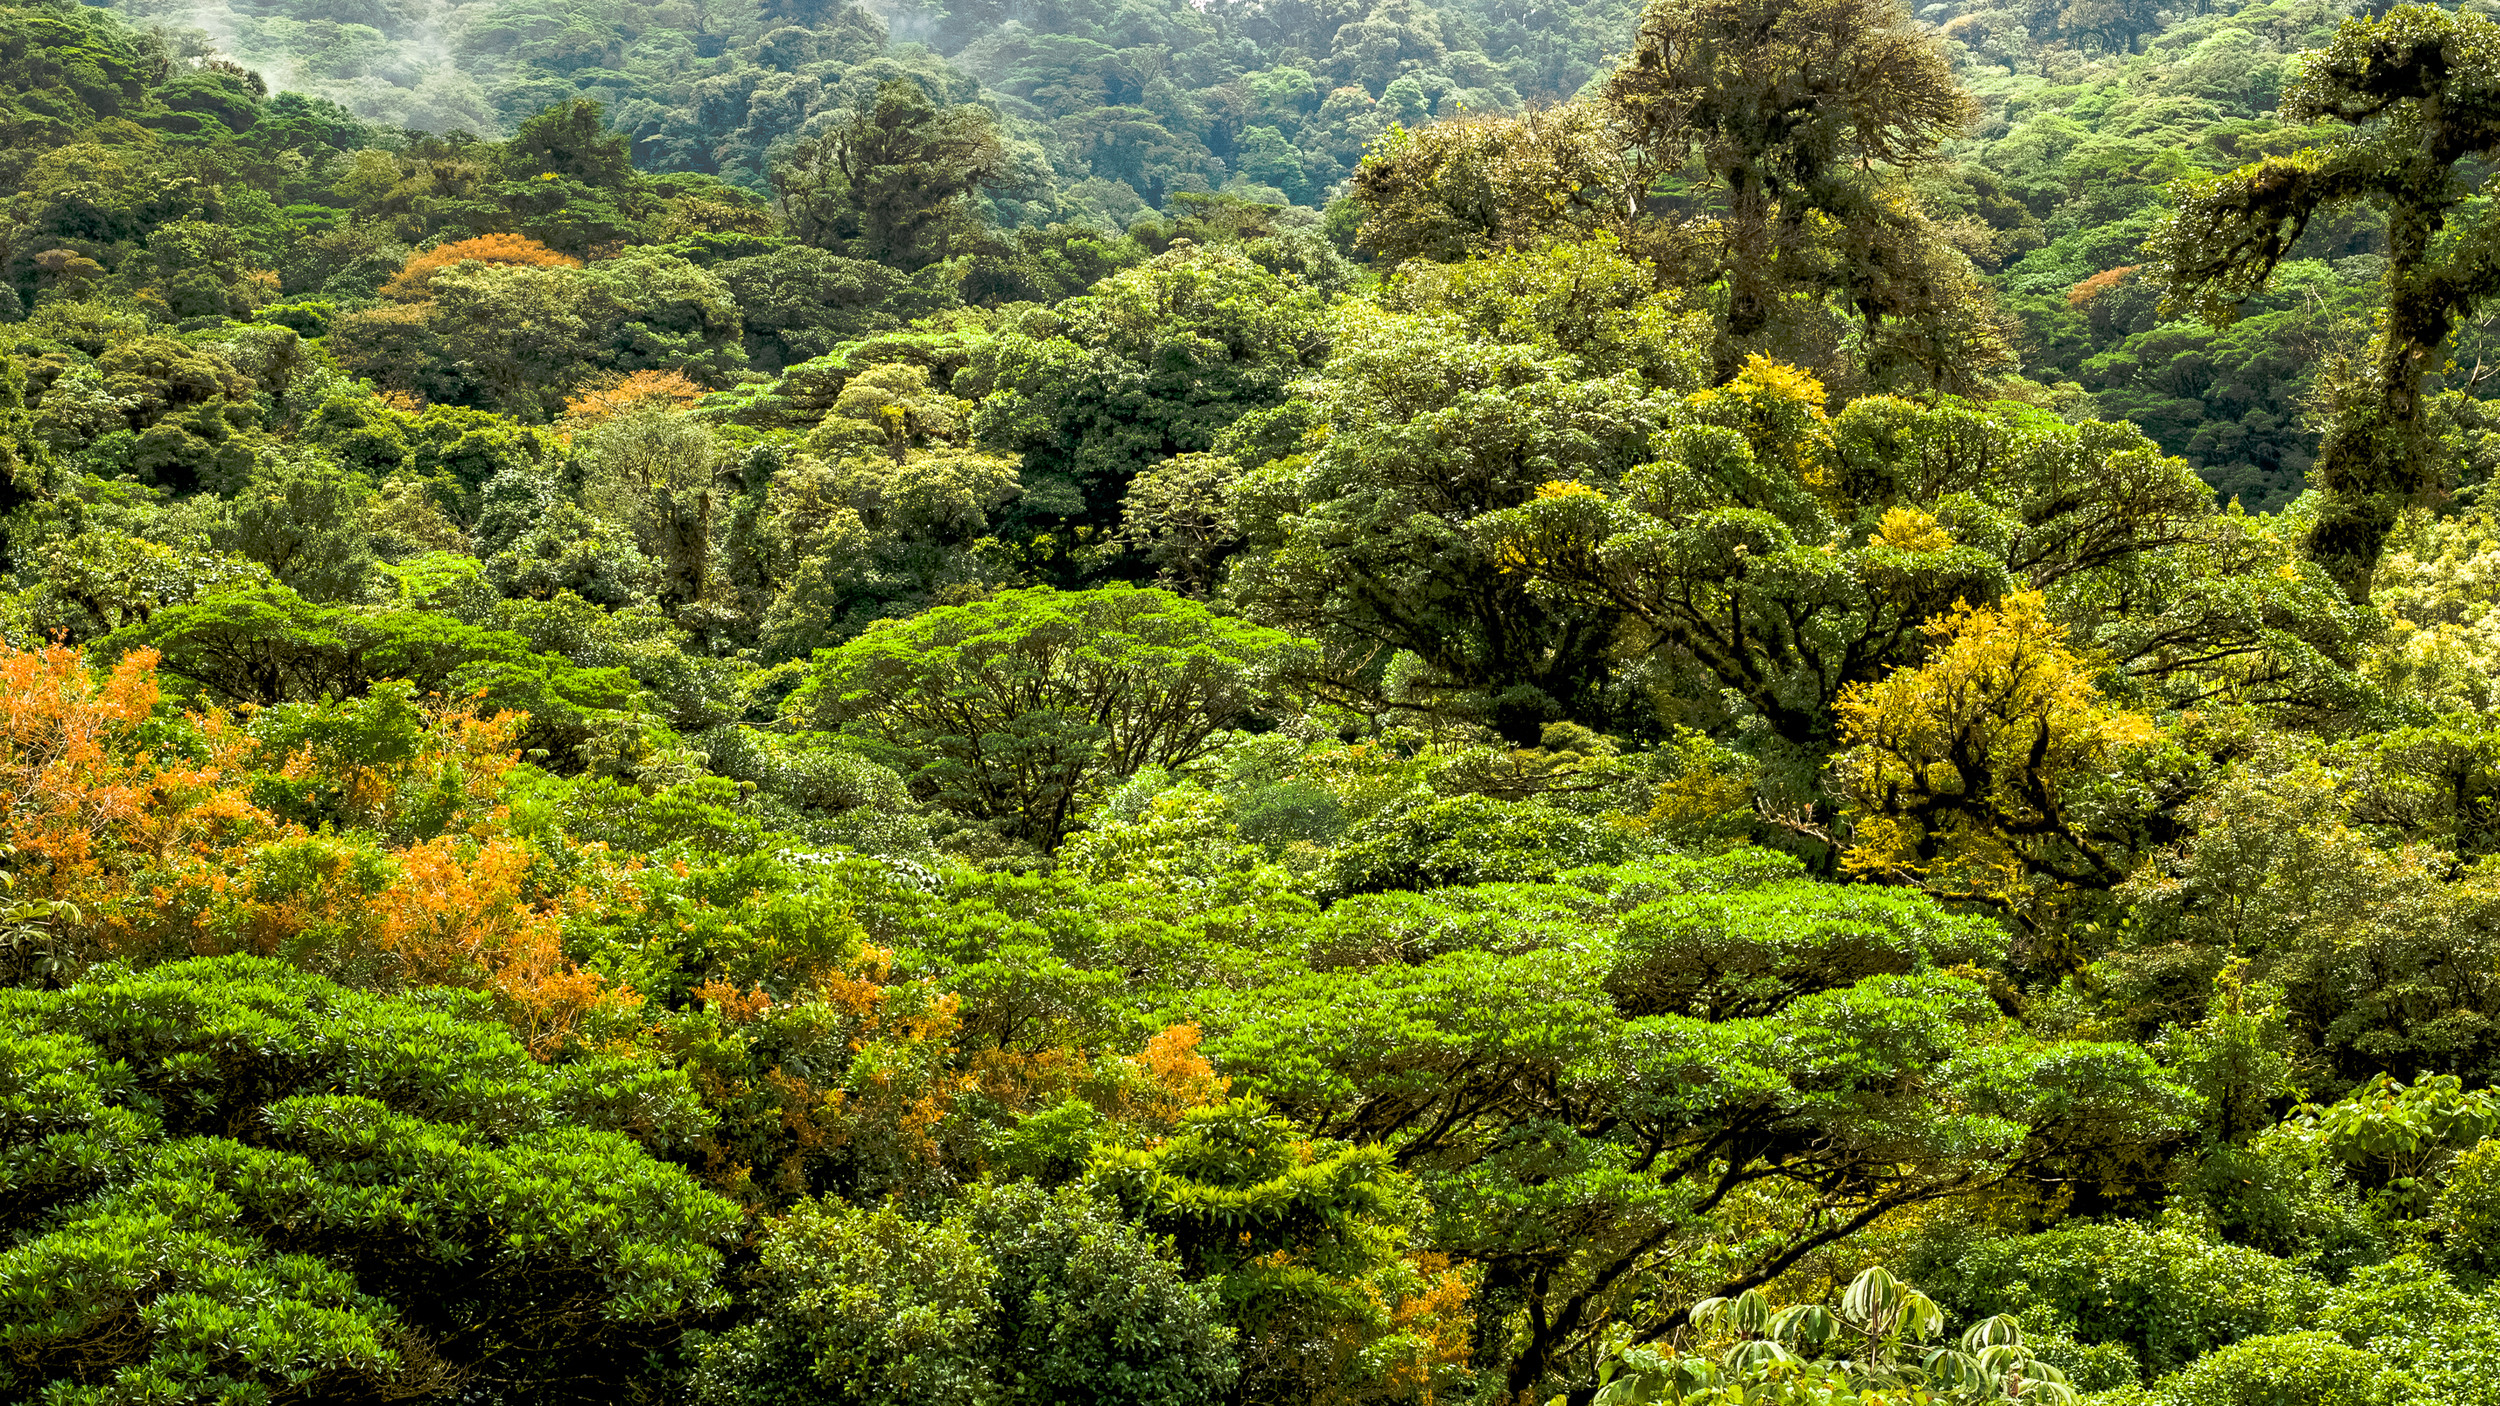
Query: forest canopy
x=1003 y=703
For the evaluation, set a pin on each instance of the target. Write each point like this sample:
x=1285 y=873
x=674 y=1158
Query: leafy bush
x=2166 y=1293
x=1863 y=1349
x=2286 y=1369
x=227 y=1179
x=1472 y=840
x=2467 y=1211
x=1023 y=1297
x=864 y=1307
x=2413 y=1318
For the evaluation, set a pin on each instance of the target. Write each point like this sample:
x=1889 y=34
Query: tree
x=656 y=472
x=2414 y=85
x=1786 y=554
x=413 y=282
x=1463 y=840
x=570 y=140
x=1021 y=709
x=521 y=329
x=895 y=183
x=1157 y=360
x=98 y=580
x=209 y=844
x=864 y=1307
x=264 y=645
x=799 y=303
x=1306 y=1249
x=1022 y=1296
x=1475 y=386
x=1581 y=1157
x=190 y=408
x=534 y=541
x=891 y=408
x=657 y=312
x=1993 y=772
x=77 y=792
x=1793 y=118
x=467 y=448
x=873 y=535
x=1752 y=948
x=518 y=335
x=2164 y=1295
x=2292 y=1369
x=205 y=270
x=397 y=349
x=236 y=1179
x=1176 y=515
x=2375 y=933
x=614 y=397
x=2238 y=1058
x=1092 y=1310
x=1480 y=184
x=65 y=65
x=303 y=518
x=361 y=431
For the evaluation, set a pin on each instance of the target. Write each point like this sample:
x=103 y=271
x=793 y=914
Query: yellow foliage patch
x=1912 y=530
x=1963 y=774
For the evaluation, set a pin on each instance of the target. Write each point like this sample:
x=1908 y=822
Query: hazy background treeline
x=1108 y=108
x=1106 y=114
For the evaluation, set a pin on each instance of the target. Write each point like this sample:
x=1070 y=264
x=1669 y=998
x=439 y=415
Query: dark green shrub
x=230 y=1180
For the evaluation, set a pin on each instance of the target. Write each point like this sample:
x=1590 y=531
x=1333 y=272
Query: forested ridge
x=1000 y=703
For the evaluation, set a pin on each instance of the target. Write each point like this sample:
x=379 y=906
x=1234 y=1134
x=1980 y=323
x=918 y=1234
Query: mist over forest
x=1317 y=703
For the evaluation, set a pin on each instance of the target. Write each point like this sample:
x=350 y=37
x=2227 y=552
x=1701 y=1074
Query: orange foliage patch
x=468 y=756
x=857 y=1061
x=2097 y=284
x=1181 y=1075
x=414 y=281
x=456 y=914
x=165 y=856
x=622 y=395
x=99 y=823
x=1151 y=1088
x=1413 y=1338
x=1023 y=1080
x=735 y=1006
x=1431 y=1323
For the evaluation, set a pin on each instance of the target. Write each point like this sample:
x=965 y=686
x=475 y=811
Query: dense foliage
x=1724 y=702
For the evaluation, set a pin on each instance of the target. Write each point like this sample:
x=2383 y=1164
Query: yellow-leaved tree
x=1995 y=772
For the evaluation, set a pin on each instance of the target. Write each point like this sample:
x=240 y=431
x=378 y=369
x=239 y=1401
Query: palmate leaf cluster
x=1867 y=1348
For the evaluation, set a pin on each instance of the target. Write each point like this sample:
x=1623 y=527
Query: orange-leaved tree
x=109 y=826
x=2098 y=284
x=147 y=836
x=1146 y=1092
x=841 y=1087
x=607 y=397
x=414 y=281
x=455 y=910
